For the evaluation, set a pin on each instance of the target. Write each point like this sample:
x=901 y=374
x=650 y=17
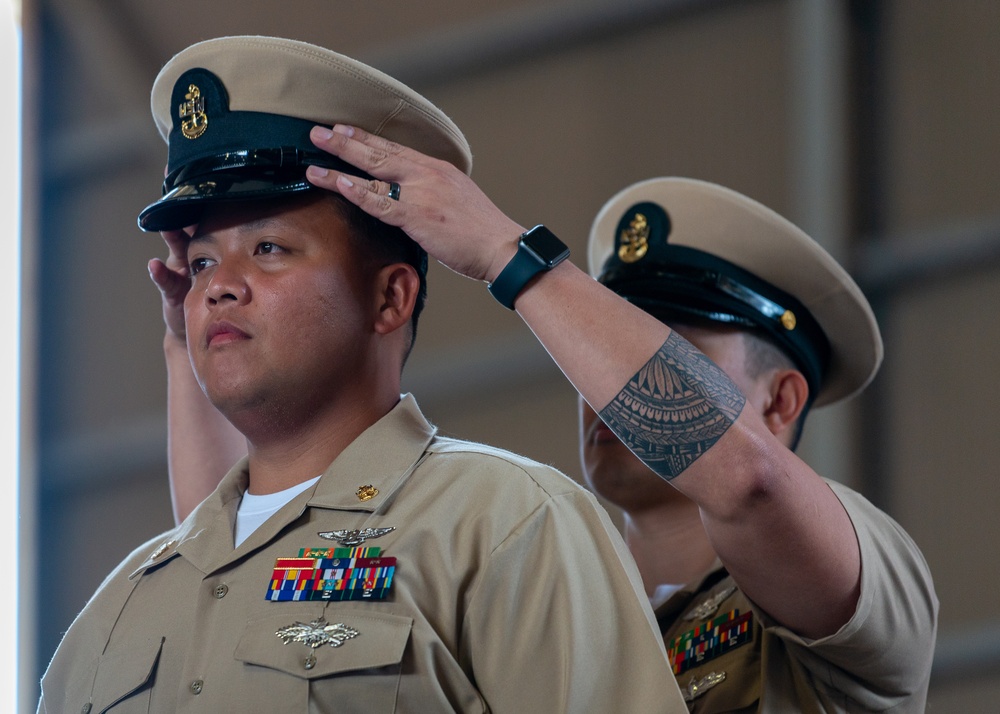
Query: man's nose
x=228 y=283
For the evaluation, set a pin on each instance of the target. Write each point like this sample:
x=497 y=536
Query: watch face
x=549 y=249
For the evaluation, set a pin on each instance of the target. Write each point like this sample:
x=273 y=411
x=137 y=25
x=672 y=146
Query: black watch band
x=537 y=251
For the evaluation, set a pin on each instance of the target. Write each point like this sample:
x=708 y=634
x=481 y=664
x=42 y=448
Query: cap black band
x=238 y=175
x=688 y=283
x=217 y=155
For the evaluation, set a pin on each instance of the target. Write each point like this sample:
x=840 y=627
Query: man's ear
x=398 y=285
x=789 y=394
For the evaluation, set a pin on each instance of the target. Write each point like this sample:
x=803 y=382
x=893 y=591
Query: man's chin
x=233 y=399
x=628 y=484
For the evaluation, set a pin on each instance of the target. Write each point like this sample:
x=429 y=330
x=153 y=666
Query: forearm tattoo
x=675 y=408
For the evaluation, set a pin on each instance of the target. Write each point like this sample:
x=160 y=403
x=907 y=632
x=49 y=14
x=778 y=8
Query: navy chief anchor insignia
x=634 y=240
x=194 y=120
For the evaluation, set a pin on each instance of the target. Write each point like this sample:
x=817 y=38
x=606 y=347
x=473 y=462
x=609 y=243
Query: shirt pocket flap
x=348 y=642
x=121 y=674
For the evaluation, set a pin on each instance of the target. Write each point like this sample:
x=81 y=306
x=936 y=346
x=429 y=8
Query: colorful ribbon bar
x=367 y=552
x=710 y=640
x=334 y=574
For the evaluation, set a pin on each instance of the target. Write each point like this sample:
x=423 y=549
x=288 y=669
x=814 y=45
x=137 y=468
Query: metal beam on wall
x=470 y=49
x=818 y=138
x=123 y=136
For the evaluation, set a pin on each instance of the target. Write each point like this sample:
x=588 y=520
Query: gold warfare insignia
x=634 y=240
x=351 y=537
x=696 y=687
x=366 y=493
x=194 y=121
x=317 y=633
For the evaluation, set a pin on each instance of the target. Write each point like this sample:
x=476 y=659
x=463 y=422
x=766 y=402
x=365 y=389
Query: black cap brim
x=185 y=204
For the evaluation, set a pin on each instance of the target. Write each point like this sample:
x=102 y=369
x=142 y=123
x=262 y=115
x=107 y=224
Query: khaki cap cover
x=728 y=225
x=297 y=79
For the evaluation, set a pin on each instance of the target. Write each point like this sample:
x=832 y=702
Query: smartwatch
x=537 y=251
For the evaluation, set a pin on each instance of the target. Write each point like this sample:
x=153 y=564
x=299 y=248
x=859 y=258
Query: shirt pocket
x=124 y=680
x=361 y=674
x=730 y=683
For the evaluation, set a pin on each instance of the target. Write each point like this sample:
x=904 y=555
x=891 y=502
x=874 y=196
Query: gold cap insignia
x=366 y=493
x=634 y=240
x=194 y=120
x=788 y=320
x=317 y=633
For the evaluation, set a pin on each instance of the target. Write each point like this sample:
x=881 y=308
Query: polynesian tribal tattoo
x=675 y=408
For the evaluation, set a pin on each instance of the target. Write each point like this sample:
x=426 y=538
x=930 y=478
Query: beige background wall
x=872 y=124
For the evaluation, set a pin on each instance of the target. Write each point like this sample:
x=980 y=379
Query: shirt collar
x=376 y=464
x=373 y=467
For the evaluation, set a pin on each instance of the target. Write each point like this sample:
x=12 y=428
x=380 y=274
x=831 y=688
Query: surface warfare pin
x=317 y=633
x=332 y=574
x=696 y=687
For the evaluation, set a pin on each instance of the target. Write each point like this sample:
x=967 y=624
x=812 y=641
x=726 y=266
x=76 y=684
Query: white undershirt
x=254 y=510
x=662 y=594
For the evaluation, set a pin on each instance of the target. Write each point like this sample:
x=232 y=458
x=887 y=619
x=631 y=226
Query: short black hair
x=383 y=244
x=762 y=354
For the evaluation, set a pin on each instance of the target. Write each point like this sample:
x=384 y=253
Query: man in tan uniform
x=780 y=591
x=762 y=300
x=354 y=561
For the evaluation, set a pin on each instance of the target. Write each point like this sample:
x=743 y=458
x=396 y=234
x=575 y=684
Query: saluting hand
x=437 y=205
x=173 y=278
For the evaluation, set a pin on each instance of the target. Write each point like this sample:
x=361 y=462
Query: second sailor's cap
x=683 y=249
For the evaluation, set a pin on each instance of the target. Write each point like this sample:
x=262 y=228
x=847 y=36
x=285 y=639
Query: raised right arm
x=776 y=525
x=201 y=444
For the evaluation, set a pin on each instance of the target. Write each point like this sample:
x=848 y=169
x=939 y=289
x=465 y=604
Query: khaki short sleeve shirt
x=512 y=592
x=731 y=657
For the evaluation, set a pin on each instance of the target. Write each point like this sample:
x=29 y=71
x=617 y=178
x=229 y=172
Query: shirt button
x=221 y=590
x=196 y=686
